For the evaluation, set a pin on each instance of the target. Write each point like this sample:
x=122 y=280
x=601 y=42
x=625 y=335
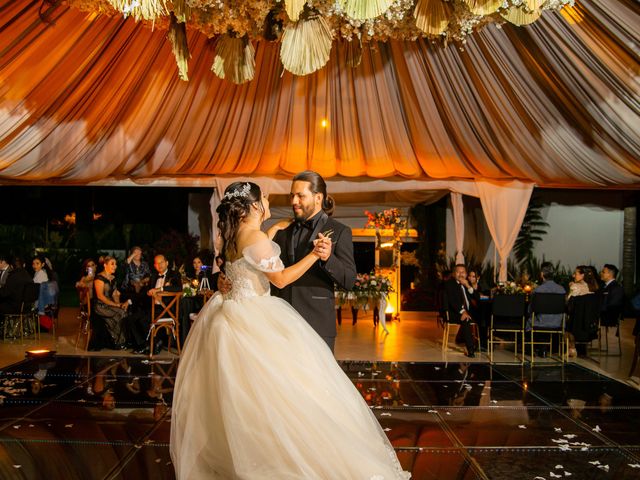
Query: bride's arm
x=266 y=259
x=275 y=228
x=290 y=274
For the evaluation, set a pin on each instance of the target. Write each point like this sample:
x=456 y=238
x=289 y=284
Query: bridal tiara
x=242 y=192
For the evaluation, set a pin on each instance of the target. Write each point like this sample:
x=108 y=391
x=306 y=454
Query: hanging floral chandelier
x=307 y=28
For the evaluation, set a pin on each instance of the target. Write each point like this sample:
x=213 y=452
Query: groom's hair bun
x=317 y=185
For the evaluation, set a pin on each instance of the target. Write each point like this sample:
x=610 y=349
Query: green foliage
x=532 y=230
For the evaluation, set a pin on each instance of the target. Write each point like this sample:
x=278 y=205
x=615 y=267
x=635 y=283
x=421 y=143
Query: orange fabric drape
x=89 y=98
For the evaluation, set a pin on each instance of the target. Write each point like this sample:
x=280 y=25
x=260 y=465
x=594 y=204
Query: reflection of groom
x=312 y=295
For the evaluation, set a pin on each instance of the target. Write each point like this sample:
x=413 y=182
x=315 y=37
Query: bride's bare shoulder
x=248 y=238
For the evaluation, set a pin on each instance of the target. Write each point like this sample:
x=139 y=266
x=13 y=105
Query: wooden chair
x=15 y=323
x=507 y=316
x=165 y=316
x=85 y=318
x=548 y=304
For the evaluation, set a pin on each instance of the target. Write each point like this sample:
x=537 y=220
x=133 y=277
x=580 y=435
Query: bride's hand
x=322 y=247
x=276 y=227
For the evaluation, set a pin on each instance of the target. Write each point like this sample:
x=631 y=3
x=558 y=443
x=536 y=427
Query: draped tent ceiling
x=91 y=99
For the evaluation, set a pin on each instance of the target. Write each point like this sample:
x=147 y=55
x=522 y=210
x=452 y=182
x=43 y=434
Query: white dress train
x=259 y=395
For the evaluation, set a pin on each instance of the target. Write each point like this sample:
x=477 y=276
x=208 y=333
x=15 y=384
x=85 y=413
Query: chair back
x=508 y=306
x=30 y=293
x=548 y=303
x=169 y=306
x=584 y=312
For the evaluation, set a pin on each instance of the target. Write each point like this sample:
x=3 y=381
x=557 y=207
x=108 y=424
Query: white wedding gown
x=259 y=395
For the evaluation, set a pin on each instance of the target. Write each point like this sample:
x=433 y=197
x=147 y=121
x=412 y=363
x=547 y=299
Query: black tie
x=161 y=276
x=305 y=224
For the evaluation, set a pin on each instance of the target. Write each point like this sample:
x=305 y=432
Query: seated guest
x=612 y=297
x=87 y=276
x=548 y=285
x=201 y=271
x=479 y=304
x=40 y=269
x=137 y=275
x=547 y=320
x=109 y=313
x=583 y=283
x=162 y=280
x=456 y=301
x=12 y=283
x=48 y=298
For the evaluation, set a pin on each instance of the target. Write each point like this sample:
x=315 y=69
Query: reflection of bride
x=258 y=393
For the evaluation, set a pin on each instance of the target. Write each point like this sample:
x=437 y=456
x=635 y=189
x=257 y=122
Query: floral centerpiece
x=513 y=288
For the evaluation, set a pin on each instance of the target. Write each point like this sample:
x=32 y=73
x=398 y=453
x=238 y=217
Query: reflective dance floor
x=71 y=417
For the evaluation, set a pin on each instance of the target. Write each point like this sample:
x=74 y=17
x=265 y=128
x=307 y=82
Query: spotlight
x=40 y=353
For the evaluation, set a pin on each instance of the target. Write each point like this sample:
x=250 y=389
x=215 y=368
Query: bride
x=258 y=393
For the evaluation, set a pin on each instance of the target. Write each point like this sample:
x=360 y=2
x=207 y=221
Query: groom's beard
x=303 y=213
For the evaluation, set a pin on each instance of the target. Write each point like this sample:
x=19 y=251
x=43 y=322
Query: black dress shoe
x=142 y=350
x=471 y=354
x=157 y=347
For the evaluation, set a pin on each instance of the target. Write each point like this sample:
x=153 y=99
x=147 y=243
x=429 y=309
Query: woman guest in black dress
x=108 y=320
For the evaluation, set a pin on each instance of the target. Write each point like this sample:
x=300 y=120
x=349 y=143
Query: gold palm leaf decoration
x=483 y=7
x=294 y=8
x=432 y=16
x=235 y=59
x=533 y=5
x=306 y=45
x=181 y=10
x=519 y=17
x=141 y=9
x=365 y=9
x=353 y=52
x=178 y=38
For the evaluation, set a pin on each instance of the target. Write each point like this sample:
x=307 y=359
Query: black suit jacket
x=612 y=303
x=453 y=300
x=12 y=291
x=312 y=295
x=172 y=281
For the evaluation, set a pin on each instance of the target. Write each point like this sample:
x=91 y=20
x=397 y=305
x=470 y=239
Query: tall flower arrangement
x=368 y=289
x=389 y=219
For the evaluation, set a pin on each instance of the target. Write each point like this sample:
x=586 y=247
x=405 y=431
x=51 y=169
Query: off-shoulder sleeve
x=264 y=255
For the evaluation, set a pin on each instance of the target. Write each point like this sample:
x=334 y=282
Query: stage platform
x=74 y=417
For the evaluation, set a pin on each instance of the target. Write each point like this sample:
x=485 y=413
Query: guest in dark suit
x=312 y=295
x=162 y=280
x=13 y=282
x=457 y=302
x=612 y=297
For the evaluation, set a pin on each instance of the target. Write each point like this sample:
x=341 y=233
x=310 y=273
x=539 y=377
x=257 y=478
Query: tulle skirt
x=259 y=395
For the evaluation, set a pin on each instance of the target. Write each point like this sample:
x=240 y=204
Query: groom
x=312 y=295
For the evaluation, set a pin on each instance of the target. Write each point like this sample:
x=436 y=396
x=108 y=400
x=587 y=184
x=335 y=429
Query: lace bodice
x=247 y=273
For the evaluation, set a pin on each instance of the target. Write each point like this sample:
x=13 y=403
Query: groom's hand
x=323 y=247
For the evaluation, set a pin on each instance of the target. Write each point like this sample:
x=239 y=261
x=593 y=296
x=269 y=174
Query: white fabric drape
x=86 y=98
x=504 y=206
x=458 y=222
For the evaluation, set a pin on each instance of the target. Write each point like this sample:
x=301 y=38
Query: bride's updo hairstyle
x=235 y=207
